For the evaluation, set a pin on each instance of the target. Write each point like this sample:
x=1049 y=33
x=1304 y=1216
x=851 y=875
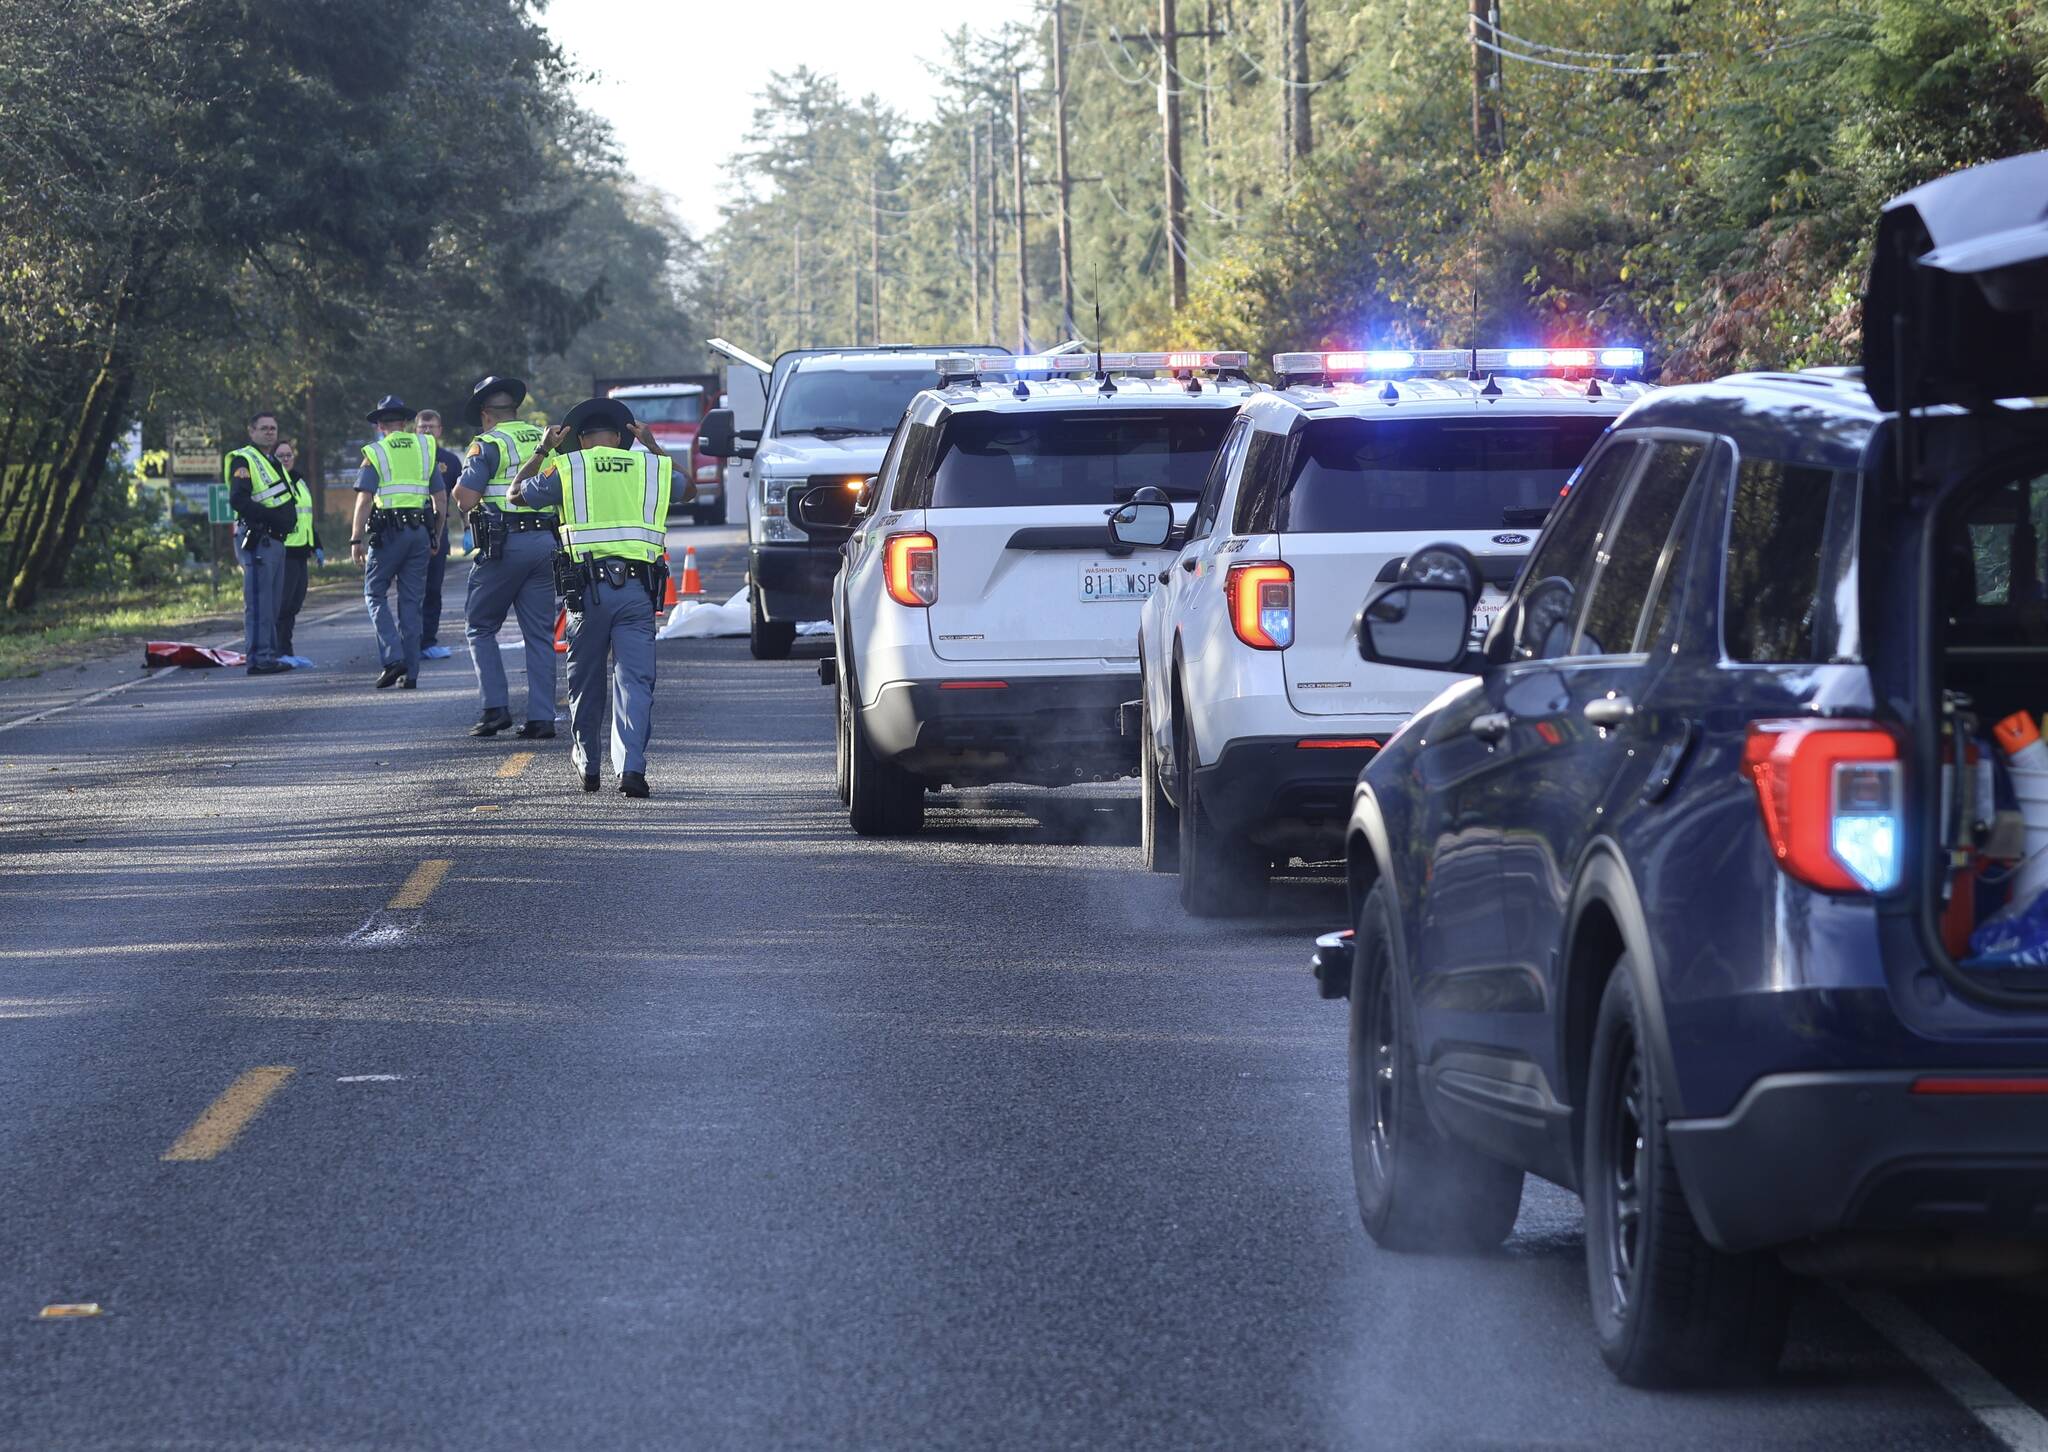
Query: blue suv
x=1668 y=901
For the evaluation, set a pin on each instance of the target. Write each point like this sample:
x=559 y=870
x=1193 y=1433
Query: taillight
x=1261 y=600
x=910 y=568
x=1830 y=793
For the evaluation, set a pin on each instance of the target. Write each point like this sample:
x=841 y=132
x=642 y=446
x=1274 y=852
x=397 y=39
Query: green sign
x=217 y=510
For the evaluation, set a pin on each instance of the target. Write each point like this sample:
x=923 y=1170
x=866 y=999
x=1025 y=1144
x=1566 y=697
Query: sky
x=677 y=78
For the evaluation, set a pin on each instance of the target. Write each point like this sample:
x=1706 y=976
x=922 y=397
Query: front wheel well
x=1596 y=947
x=1361 y=872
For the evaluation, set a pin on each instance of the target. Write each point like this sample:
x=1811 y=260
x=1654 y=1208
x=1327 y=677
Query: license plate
x=1485 y=612
x=1116 y=582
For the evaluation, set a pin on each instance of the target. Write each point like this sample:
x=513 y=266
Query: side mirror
x=864 y=501
x=1427 y=627
x=715 y=438
x=1145 y=522
x=825 y=510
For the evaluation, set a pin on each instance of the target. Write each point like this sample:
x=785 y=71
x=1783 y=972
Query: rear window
x=674 y=408
x=1411 y=474
x=988 y=460
x=1789 y=592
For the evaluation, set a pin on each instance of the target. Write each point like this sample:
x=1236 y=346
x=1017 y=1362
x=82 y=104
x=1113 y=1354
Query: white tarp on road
x=705 y=620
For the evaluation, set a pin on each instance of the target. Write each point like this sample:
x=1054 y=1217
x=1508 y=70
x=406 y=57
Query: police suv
x=986 y=626
x=1256 y=714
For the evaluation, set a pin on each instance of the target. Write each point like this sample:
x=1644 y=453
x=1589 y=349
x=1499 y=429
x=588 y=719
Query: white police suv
x=986 y=622
x=1257 y=713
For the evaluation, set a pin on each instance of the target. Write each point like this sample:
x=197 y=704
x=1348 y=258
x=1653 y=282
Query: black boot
x=392 y=675
x=633 y=783
x=493 y=720
x=536 y=731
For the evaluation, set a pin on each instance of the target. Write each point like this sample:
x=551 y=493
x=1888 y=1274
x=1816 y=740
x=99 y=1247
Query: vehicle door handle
x=1492 y=726
x=1609 y=710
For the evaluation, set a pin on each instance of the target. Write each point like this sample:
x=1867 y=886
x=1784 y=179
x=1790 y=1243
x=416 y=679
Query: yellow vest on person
x=614 y=503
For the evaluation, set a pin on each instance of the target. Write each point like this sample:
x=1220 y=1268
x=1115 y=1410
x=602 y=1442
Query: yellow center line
x=420 y=886
x=517 y=762
x=216 y=1128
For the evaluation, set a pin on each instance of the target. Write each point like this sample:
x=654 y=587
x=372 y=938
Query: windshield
x=849 y=401
x=1354 y=474
x=990 y=459
x=671 y=408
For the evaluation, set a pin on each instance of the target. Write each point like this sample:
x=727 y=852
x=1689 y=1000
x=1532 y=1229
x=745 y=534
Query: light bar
x=1561 y=360
x=1386 y=362
x=1193 y=360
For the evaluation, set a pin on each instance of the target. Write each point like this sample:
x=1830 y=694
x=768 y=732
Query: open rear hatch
x=1956 y=313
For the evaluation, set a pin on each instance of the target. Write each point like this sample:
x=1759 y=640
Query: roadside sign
x=194 y=450
x=217 y=510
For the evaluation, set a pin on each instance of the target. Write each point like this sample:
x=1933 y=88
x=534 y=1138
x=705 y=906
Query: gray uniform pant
x=523 y=582
x=617 y=622
x=262 y=589
x=398 y=557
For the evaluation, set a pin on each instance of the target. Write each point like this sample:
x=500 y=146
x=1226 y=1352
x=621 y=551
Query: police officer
x=262 y=502
x=301 y=547
x=613 y=508
x=398 y=511
x=513 y=566
x=446 y=467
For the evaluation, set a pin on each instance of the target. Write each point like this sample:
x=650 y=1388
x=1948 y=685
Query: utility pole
x=796 y=280
x=1298 y=93
x=1066 y=183
x=1486 y=122
x=974 y=225
x=1176 y=195
x=1017 y=172
x=995 y=246
x=875 y=255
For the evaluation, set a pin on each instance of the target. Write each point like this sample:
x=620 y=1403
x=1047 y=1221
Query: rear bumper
x=793 y=582
x=1047 y=731
x=1279 y=793
x=1808 y=1154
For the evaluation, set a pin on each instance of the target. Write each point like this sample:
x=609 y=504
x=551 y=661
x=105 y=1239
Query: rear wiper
x=833 y=431
x=1525 y=514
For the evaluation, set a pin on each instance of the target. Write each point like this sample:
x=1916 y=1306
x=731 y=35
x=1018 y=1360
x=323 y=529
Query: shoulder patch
x=476 y=448
x=241 y=471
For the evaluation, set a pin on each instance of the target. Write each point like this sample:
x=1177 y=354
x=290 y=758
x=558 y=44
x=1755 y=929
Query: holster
x=569 y=581
x=487 y=527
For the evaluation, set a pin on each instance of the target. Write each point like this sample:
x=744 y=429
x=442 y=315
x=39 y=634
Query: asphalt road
x=697 y=1122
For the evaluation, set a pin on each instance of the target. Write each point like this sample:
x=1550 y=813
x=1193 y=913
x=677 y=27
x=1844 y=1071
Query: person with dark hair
x=301 y=548
x=447 y=467
x=265 y=517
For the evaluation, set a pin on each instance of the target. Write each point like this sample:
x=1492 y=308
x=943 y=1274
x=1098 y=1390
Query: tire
x=882 y=799
x=1220 y=876
x=842 y=753
x=1416 y=1189
x=1668 y=1308
x=767 y=639
x=700 y=517
x=1158 y=819
x=719 y=513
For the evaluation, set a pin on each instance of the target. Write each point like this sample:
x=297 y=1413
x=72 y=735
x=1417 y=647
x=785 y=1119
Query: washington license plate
x=1116 y=582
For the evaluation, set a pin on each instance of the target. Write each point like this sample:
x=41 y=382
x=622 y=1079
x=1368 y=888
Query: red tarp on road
x=178 y=653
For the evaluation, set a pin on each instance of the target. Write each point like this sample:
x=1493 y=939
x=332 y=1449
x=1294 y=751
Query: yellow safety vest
x=302 y=528
x=516 y=442
x=614 y=503
x=267 y=484
x=405 y=470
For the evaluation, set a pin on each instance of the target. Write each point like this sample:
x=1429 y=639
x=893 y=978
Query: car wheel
x=1669 y=1309
x=767 y=639
x=1417 y=1190
x=1220 y=876
x=700 y=517
x=719 y=514
x=882 y=799
x=1158 y=820
x=842 y=753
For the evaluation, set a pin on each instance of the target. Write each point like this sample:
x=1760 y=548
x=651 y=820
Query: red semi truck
x=673 y=406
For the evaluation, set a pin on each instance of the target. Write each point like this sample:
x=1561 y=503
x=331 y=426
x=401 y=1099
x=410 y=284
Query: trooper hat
x=600 y=413
x=390 y=406
x=485 y=387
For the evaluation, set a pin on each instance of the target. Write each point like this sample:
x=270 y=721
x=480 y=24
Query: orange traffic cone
x=562 y=631
x=669 y=599
x=693 y=583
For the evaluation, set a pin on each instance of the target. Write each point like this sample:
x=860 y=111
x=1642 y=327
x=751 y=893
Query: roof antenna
x=1101 y=377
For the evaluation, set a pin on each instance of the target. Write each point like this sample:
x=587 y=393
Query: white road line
x=369 y=1078
x=2016 y=1425
x=162 y=673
